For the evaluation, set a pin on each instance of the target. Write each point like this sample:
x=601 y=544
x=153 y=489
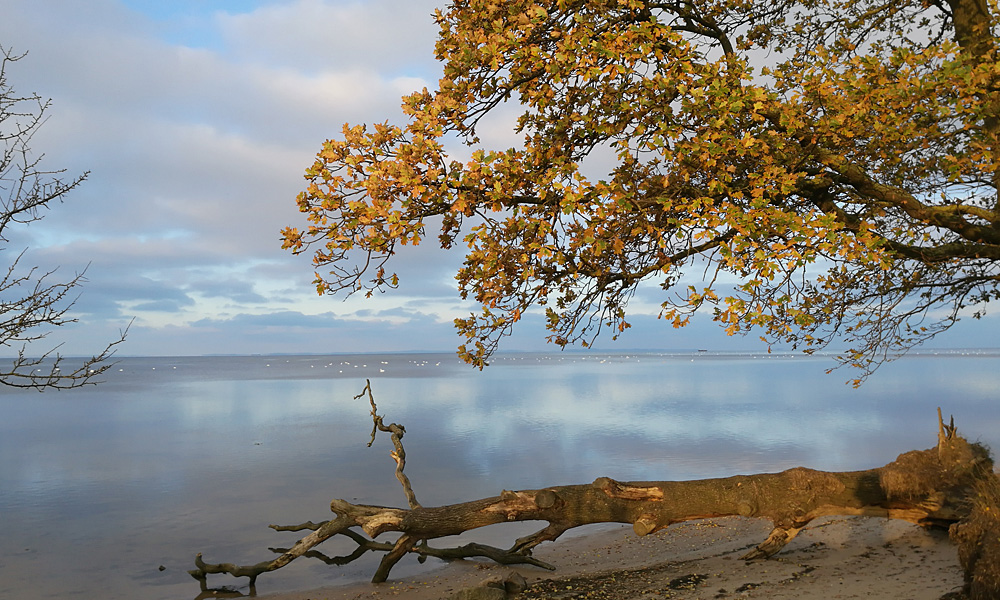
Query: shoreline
x=835 y=557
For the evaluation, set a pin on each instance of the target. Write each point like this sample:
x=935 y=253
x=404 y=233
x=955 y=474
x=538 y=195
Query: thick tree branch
x=930 y=488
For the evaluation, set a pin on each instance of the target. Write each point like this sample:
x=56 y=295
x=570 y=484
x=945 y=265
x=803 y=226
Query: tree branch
x=929 y=487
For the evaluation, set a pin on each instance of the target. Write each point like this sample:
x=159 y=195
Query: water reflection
x=99 y=487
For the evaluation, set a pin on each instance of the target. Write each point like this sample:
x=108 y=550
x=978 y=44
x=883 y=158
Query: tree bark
x=929 y=487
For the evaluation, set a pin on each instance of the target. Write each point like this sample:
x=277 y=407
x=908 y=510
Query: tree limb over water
x=824 y=174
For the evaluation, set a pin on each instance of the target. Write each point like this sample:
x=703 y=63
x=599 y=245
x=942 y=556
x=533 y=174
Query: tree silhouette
x=32 y=300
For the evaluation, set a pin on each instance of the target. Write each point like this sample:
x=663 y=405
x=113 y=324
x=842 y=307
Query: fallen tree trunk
x=929 y=487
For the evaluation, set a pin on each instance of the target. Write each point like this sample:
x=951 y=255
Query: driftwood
x=929 y=487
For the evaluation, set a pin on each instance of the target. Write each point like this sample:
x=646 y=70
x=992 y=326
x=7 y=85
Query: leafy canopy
x=837 y=158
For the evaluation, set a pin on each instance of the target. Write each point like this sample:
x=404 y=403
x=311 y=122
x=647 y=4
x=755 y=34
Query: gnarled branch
x=928 y=487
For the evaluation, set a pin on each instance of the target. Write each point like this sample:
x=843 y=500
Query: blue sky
x=196 y=120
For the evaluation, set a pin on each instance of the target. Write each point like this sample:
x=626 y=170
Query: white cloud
x=396 y=38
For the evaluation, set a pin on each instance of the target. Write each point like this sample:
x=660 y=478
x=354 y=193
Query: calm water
x=101 y=487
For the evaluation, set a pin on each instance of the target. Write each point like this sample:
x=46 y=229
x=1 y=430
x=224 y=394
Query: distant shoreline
x=775 y=353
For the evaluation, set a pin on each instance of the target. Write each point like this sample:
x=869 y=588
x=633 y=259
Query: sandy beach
x=839 y=558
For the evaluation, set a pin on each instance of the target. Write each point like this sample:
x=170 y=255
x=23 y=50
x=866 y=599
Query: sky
x=196 y=120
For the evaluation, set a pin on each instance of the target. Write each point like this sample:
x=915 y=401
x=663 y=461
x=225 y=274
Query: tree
x=31 y=301
x=837 y=159
x=951 y=485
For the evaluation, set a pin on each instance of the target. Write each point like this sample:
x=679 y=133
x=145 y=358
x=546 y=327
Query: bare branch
x=32 y=301
x=398 y=454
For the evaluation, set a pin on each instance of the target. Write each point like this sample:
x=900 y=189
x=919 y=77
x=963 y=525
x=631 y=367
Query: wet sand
x=835 y=558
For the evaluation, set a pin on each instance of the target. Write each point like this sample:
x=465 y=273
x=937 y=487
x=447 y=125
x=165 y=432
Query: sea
x=110 y=491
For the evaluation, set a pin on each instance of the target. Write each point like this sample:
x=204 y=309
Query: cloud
x=396 y=38
x=235 y=290
x=122 y=297
x=293 y=331
x=160 y=306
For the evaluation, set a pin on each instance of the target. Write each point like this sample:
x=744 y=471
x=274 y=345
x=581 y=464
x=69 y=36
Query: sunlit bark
x=932 y=488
